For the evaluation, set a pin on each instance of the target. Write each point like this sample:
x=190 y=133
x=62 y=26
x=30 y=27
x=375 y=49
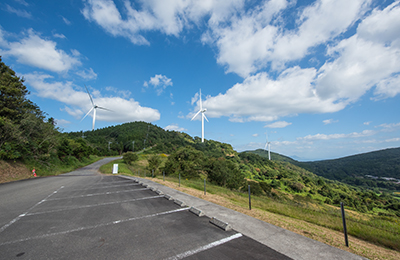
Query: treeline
x=26 y=133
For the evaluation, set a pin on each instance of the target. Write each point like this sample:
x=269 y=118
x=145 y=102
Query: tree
x=187 y=161
x=130 y=157
x=154 y=162
x=224 y=173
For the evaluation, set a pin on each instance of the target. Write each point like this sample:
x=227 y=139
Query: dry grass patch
x=313 y=231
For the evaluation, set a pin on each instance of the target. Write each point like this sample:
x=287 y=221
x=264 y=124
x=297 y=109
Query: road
x=86 y=215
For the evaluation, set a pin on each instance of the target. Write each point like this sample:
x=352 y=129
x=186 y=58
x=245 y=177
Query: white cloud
x=336 y=136
x=258 y=38
x=370 y=57
x=174 y=127
x=278 y=124
x=18 y=12
x=61 y=36
x=367 y=123
x=123 y=110
x=159 y=82
x=41 y=53
x=329 y=121
x=260 y=98
x=167 y=16
x=62 y=122
x=254 y=135
x=66 y=21
x=87 y=74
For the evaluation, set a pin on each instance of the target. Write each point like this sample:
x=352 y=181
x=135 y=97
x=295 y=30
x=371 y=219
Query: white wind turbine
x=203 y=116
x=269 y=148
x=94 y=107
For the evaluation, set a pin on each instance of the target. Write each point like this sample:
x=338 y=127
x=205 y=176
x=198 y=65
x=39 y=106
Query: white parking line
x=206 y=247
x=92 y=227
x=110 y=186
x=24 y=214
x=93 y=205
x=96 y=194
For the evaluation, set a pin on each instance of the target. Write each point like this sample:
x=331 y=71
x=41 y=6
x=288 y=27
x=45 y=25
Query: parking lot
x=85 y=215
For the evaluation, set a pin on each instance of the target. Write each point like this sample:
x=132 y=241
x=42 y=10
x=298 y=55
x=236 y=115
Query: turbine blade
x=91 y=100
x=104 y=108
x=195 y=115
x=265 y=147
x=205 y=117
x=87 y=113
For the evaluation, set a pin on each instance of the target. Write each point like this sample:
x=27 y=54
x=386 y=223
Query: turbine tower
x=269 y=148
x=94 y=108
x=203 y=116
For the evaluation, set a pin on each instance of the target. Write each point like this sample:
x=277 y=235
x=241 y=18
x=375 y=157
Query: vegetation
x=378 y=170
x=26 y=135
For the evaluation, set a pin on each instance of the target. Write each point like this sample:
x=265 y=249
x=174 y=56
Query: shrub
x=130 y=157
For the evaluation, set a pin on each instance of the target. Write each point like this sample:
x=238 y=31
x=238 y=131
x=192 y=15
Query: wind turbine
x=94 y=107
x=269 y=148
x=203 y=116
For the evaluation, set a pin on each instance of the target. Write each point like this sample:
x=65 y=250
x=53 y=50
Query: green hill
x=365 y=170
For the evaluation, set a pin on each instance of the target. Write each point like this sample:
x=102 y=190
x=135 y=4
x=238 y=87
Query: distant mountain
x=383 y=163
x=355 y=170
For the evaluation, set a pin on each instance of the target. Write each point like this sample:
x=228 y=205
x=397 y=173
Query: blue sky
x=321 y=78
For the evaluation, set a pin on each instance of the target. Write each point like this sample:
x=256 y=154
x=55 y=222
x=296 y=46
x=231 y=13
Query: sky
x=320 y=78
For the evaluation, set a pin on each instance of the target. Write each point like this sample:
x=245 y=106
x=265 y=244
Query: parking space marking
x=110 y=186
x=24 y=214
x=93 y=227
x=206 y=247
x=96 y=194
x=93 y=205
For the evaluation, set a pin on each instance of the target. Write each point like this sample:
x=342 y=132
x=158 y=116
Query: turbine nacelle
x=94 y=107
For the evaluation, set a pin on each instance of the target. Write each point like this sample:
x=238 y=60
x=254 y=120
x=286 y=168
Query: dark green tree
x=187 y=161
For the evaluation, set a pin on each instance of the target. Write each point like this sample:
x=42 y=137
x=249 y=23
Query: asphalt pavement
x=86 y=215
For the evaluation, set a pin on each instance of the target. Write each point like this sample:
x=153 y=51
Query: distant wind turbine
x=269 y=148
x=203 y=116
x=94 y=107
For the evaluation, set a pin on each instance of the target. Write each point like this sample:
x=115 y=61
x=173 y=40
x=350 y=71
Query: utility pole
x=133 y=146
x=109 y=145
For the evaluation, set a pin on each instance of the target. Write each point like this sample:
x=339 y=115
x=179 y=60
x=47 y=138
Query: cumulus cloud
x=260 y=98
x=38 y=52
x=174 y=127
x=77 y=101
x=159 y=82
x=278 y=124
x=167 y=16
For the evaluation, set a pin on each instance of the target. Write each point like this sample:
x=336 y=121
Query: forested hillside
x=27 y=135
x=365 y=170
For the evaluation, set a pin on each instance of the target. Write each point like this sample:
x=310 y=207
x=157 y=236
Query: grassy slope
x=308 y=218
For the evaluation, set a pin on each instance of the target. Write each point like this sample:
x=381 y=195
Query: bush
x=224 y=173
x=266 y=187
x=255 y=188
x=130 y=157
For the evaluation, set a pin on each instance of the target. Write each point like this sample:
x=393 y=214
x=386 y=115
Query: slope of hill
x=368 y=170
